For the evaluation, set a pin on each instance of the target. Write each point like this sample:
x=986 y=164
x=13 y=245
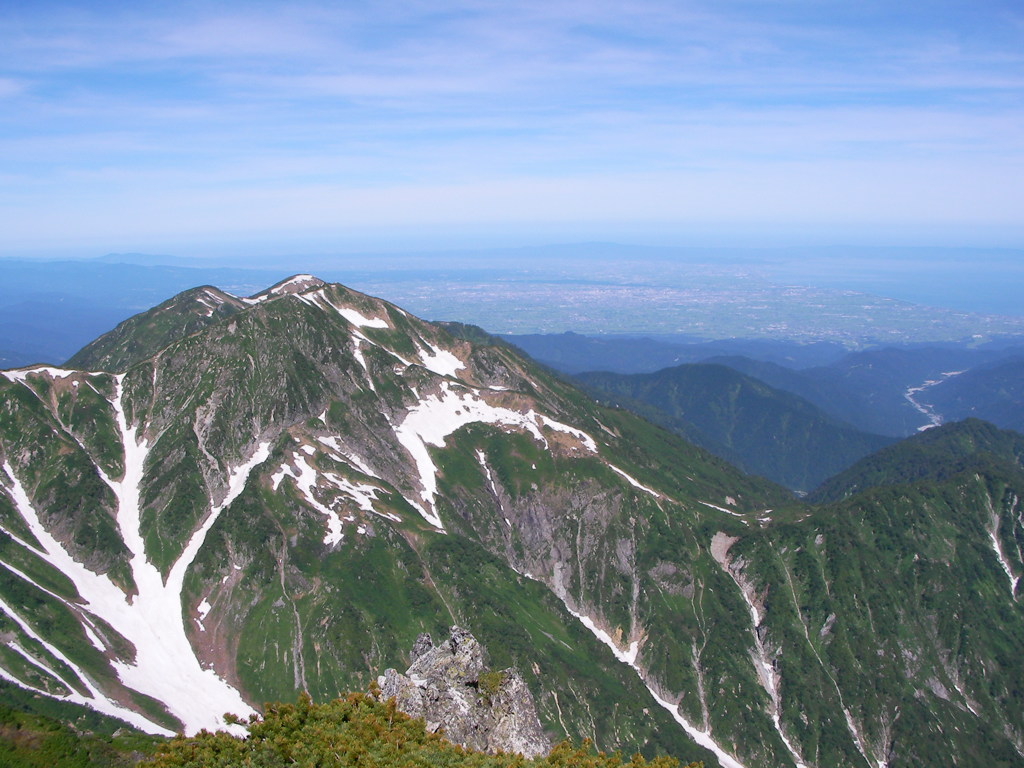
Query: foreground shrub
x=359 y=731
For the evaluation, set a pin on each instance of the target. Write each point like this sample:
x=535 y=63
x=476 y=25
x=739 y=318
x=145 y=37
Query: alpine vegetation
x=226 y=501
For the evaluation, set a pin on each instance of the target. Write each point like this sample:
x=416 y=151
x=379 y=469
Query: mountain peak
x=295 y=284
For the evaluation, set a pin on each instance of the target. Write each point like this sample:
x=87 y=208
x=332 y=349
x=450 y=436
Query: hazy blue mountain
x=992 y=392
x=763 y=430
x=575 y=353
x=869 y=389
x=46 y=327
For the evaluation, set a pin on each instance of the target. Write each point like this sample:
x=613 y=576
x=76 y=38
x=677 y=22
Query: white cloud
x=10 y=87
x=279 y=117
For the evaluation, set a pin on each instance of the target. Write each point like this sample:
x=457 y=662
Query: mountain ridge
x=767 y=432
x=933 y=455
x=301 y=487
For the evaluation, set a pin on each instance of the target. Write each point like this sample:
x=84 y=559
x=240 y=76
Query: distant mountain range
x=575 y=353
x=762 y=430
x=867 y=389
x=233 y=499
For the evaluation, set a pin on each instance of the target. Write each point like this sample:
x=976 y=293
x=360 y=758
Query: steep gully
x=152 y=620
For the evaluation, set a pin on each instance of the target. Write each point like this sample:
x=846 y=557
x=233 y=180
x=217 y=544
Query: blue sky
x=199 y=126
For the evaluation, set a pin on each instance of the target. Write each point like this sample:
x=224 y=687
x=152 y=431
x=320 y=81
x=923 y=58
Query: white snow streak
x=723 y=509
x=482 y=458
x=357 y=353
x=770 y=679
x=435 y=417
x=997 y=546
x=632 y=481
x=966 y=698
x=210 y=301
x=166 y=667
x=629 y=657
x=97 y=700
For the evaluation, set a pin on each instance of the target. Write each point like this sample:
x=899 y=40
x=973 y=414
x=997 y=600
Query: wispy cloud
x=151 y=108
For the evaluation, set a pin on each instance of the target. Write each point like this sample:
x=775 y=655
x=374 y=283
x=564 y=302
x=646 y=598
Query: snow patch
x=335 y=445
x=297 y=280
x=361 y=320
x=632 y=481
x=434 y=418
x=307 y=478
x=22 y=374
x=441 y=361
x=294 y=285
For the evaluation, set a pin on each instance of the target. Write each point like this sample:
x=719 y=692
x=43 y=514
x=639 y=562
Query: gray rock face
x=451 y=688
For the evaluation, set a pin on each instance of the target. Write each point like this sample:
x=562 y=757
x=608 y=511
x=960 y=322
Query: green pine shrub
x=359 y=731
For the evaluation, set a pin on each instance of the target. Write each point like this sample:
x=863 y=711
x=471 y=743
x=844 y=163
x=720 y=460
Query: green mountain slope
x=930 y=456
x=282 y=499
x=765 y=431
x=910 y=597
x=142 y=336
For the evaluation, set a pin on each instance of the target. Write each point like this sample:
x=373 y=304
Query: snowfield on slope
x=165 y=666
x=437 y=416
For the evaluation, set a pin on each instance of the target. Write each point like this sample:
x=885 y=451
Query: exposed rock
x=451 y=688
x=421 y=646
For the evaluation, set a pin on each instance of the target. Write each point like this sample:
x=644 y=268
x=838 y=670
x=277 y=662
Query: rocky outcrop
x=451 y=688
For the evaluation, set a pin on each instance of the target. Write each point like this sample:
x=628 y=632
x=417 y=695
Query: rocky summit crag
x=451 y=687
x=231 y=500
